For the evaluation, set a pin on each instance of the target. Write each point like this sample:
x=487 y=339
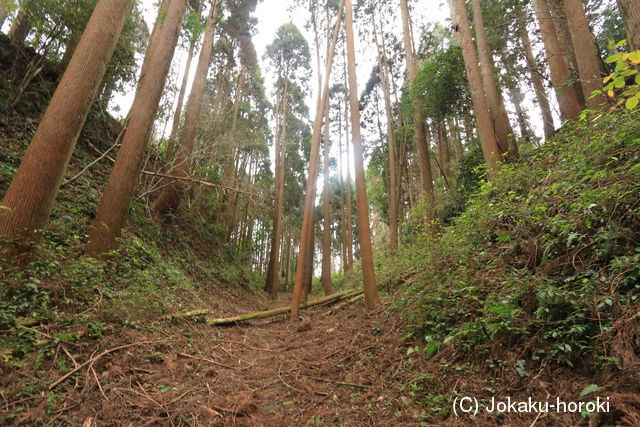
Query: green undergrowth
x=542 y=269
x=159 y=268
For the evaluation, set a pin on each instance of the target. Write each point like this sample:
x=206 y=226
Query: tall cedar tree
x=273 y=268
x=326 y=207
x=503 y=130
x=371 y=299
x=177 y=116
x=383 y=66
x=307 y=220
x=490 y=149
x=534 y=72
x=170 y=198
x=32 y=192
x=419 y=124
x=586 y=54
x=631 y=16
x=116 y=199
x=567 y=99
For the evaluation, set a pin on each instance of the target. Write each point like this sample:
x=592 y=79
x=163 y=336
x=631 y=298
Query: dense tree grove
x=309 y=159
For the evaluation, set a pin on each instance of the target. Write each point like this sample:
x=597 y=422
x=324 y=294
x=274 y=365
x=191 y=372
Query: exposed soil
x=329 y=369
x=335 y=367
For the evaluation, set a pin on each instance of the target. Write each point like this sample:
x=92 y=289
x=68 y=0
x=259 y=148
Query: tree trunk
x=488 y=142
x=631 y=16
x=536 y=79
x=230 y=175
x=280 y=148
x=114 y=205
x=444 y=152
x=458 y=149
x=567 y=100
x=308 y=262
x=307 y=217
x=561 y=25
x=424 y=162
x=343 y=226
x=33 y=190
x=586 y=54
x=170 y=197
x=383 y=65
x=502 y=128
x=326 y=209
x=70 y=49
x=175 y=126
x=516 y=99
x=349 y=213
x=21 y=26
x=371 y=299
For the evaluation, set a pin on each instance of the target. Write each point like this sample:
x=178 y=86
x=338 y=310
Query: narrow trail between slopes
x=336 y=367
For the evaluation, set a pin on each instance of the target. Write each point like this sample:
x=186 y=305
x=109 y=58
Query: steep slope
x=534 y=290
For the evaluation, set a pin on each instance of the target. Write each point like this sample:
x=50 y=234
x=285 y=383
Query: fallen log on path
x=283 y=310
x=343 y=304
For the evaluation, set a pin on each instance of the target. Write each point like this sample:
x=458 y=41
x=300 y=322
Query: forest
x=320 y=212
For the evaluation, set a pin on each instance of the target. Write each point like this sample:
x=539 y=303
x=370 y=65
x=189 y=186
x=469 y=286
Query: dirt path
x=331 y=369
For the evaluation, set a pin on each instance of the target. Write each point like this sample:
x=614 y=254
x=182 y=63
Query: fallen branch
x=345 y=303
x=193 y=313
x=327 y=380
x=282 y=310
x=198 y=181
x=179 y=178
x=204 y=359
x=93 y=359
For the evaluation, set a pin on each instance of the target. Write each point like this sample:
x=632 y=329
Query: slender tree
x=535 y=74
x=490 y=149
x=32 y=192
x=371 y=298
x=419 y=124
x=289 y=54
x=502 y=128
x=170 y=197
x=586 y=53
x=631 y=16
x=326 y=207
x=310 y=196
x=383 y=66
x=566 y=95
x=116 y=199
x=177 y=116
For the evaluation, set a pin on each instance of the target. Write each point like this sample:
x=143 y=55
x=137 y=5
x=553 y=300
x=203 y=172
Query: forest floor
x=333 y=368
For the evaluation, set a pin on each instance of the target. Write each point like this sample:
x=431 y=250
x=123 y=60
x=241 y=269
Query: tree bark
x=280 y=149
x=383 y=65
x=349 y=212
x=424 y=162
x=170 y=197
x=586 y=54
x=536 y=79
x=371 y=299
x=561 y=25
x=175 y=126
x=32 y=192
x=114 y=205
x=313 y=172
x=631 y=16
x=70 y=49
x=567 y=99
x=502 y=128
x=490 y=149
x=326 y=208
